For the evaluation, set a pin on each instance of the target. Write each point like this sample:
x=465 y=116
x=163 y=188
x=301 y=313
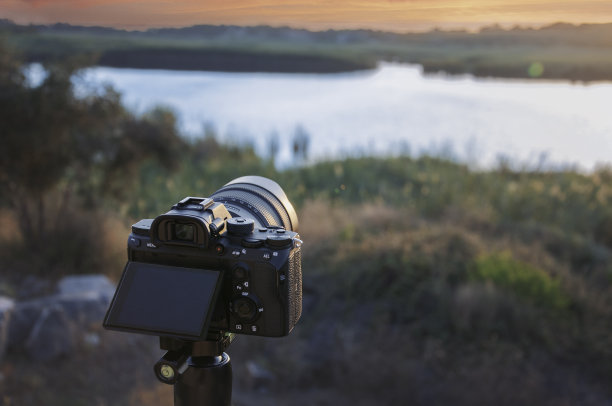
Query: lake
x=394 y=109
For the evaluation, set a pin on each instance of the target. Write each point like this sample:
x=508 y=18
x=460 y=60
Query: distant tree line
x=558 y=51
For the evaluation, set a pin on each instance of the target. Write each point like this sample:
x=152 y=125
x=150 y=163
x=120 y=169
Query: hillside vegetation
x=559 y=51
x=425 y=282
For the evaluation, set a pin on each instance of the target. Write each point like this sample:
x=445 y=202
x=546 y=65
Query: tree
x=273 y=146
x=60 y=148
x=301 y=143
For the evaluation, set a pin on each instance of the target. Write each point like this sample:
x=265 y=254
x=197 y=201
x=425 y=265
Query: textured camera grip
x=294 y=294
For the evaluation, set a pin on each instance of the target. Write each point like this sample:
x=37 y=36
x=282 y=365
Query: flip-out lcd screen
x=164 y=300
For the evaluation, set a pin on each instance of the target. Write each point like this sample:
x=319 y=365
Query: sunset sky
x=396 y=15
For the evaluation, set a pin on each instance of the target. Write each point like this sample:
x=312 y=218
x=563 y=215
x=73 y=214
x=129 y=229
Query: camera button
x=253 y=329
x=238 y=327
x=240 y=272
x=134 y=242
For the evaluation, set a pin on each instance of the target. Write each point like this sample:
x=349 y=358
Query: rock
x=23 y=318
x=84 y=308
x=50 y=327
x=76 y=284
x=33 y=287
x=85 y=298
x=6 y=309
x=258 y=378
x=52 y=335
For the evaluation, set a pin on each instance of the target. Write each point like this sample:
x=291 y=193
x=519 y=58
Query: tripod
x=200 y=371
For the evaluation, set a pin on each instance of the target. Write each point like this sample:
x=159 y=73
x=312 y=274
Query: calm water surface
x=394 y=109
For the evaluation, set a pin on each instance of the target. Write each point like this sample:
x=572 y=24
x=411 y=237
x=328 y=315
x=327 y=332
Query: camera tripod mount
x=200 y=371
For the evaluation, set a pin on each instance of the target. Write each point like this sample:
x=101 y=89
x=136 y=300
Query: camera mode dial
x=240 y=225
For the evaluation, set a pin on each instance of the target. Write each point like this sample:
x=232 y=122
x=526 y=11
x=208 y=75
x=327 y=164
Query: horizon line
x=480 y=28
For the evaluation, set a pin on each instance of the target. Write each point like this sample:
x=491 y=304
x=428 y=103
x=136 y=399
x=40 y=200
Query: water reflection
x=394 y=109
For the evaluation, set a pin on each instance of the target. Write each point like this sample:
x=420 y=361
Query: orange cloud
x=67 y=4
x=400 y=15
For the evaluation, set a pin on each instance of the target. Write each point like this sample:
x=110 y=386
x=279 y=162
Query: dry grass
x=391 y=300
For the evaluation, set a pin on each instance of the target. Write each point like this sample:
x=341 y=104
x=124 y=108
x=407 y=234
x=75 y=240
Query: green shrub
x=521 y=279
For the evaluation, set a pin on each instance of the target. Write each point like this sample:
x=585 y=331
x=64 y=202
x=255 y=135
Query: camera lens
x=260 y=199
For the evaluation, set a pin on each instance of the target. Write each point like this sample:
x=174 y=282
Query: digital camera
x=229 y=263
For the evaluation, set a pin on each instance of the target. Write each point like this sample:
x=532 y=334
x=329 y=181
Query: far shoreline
x=321 y=66
x=556 y=52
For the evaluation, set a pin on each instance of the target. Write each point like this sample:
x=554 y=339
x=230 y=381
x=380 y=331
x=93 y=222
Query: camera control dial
x=279 y=240
x=245 y=309
x=240 y=225
x=251 y=242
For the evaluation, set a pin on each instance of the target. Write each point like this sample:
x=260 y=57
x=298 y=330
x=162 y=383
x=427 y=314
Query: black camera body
x=228 y=263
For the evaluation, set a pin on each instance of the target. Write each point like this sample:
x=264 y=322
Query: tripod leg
x=207 y=381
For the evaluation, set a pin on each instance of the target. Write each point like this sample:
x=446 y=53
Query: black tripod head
x=200 y=371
